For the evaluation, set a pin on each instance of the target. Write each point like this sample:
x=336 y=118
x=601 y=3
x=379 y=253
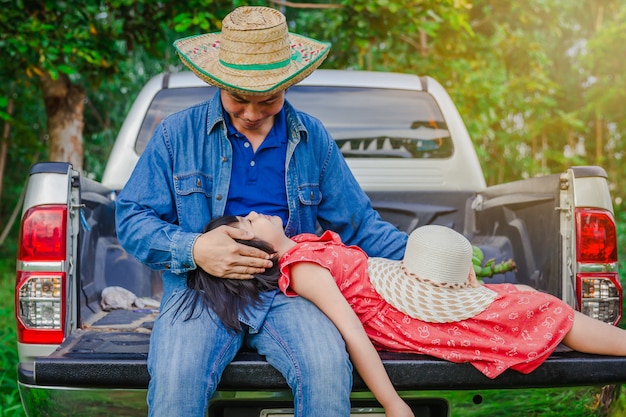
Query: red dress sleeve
x=327 y=251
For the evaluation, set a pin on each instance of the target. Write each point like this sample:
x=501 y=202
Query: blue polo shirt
x=258 y=178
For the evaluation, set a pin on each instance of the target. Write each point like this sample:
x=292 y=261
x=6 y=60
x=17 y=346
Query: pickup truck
x=408 y=147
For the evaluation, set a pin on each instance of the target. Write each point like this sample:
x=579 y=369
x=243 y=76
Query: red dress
x=519 y=330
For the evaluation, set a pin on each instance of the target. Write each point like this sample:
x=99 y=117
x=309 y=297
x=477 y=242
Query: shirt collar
x=216 y=116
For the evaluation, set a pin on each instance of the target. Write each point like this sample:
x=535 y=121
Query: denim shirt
x=182 y=178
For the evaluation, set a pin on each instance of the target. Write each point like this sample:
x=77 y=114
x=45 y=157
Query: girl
x=429 y=303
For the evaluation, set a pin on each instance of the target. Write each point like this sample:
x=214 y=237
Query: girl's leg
x=589 y=335
x=186 y=360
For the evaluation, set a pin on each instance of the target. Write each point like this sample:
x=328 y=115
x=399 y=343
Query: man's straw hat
x=254 y=54
x=431 y=282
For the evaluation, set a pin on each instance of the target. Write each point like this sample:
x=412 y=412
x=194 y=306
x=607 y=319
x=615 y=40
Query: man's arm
x=147 y=225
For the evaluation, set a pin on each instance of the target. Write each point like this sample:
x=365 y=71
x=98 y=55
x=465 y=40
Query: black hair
x=228 y=298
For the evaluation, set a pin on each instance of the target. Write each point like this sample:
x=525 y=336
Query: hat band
x=449 y=285
x=256 y=67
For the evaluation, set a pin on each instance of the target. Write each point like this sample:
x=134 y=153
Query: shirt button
x=252 y=163
x=167 y=266
x=224 y=159
x=186 y=265
x=218 y=197
x=198 y=182
x=246 y=145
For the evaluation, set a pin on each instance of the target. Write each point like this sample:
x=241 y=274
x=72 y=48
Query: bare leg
x=589 y=335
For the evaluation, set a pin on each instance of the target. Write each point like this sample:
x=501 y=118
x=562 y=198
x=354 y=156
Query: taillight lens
x=40 y=286
x=43 y=234
x=596 y=236
x=598 y=288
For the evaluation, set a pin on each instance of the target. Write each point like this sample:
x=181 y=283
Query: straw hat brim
x=424 y=300
x=200 y=54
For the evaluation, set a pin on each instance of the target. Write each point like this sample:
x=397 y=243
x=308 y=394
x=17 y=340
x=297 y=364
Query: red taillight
x=43 y=234
x=40 y=285
x=598 y=287
x=596 y=236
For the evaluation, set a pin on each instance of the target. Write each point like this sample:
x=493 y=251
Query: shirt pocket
x=310 y=194
x=192 y=183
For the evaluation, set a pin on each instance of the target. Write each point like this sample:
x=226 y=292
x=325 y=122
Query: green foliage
x=378 y=35
x=530 y=77
x=25 y=144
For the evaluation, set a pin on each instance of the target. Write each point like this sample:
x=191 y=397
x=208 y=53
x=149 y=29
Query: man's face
x=252 y=113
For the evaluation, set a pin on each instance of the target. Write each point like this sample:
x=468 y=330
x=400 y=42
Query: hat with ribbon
x=432 y=282
x=254 y=54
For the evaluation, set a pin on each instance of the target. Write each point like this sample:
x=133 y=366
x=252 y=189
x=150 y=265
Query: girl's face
x=267 y=228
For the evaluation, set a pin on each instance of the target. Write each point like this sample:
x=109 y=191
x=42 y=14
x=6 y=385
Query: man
x=246 y=149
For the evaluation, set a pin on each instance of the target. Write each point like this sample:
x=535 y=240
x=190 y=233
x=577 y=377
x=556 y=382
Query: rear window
x=365 y=122
x=167 y=102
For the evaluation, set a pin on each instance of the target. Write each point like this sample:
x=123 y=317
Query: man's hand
x=218 y=254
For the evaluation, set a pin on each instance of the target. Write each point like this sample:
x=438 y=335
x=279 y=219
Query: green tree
x=602 y=59
x=70 y=70
x=67 y=51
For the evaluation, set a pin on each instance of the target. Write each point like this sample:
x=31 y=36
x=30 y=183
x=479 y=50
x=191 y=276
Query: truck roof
x=339 y=78
x=457 y=170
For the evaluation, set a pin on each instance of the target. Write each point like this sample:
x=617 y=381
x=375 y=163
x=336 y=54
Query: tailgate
x=118 y=360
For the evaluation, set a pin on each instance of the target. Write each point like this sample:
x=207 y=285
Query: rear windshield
x=365 y=122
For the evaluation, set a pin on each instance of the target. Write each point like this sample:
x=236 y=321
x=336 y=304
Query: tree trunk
x=65 y=104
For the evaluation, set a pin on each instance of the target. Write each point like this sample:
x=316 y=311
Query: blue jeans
x=187 y=358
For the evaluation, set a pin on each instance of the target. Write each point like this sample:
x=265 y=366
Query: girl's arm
x=316 y=284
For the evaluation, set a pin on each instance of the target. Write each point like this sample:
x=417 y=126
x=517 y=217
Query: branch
x=13 y=216
x=97 y=115
x=17 y=208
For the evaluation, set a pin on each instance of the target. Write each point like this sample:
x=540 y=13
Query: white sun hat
x=431 y=283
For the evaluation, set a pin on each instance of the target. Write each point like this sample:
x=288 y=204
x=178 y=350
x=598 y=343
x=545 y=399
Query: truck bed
x=110 y=349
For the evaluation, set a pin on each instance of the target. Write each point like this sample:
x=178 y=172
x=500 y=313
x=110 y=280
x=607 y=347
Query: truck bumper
x=570 y=401
x=85 y=385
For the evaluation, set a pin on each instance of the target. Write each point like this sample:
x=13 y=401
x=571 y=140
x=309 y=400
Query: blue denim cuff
x=182 y=252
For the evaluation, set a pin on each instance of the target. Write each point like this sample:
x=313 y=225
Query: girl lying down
x=428 y=303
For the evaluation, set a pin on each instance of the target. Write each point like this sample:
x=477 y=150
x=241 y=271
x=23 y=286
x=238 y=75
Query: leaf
x=66 y=69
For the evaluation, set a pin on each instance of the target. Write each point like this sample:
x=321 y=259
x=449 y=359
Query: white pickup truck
x=410 y=151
